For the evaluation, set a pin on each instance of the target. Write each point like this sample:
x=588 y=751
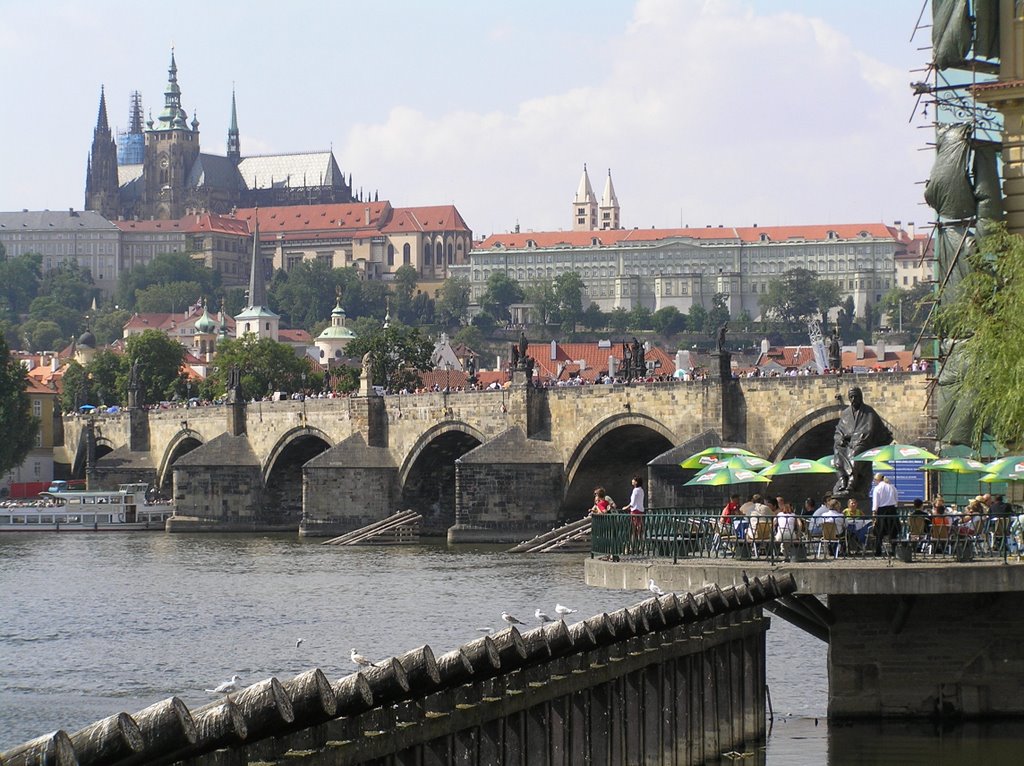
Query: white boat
x=122 y=510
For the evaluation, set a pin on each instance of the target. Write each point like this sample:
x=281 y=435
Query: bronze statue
x=835 y=353
x=515 y=357
x=721 y=337
x=523 y=345
x=859 y=428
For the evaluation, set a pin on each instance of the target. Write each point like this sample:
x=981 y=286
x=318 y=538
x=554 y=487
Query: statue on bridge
x=835 y=353
x=135 y=399
x=859 y=428
x=234 y=387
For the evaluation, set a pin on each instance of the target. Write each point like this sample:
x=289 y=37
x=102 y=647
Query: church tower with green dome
x=335 y=337
x=172 y=146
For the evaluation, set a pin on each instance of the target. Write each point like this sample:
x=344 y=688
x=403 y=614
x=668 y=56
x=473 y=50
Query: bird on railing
x=510 y=619
x=653 y=588
x=541 y=617
x=359 y=659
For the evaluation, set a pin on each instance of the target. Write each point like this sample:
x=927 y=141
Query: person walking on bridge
x=883 y=509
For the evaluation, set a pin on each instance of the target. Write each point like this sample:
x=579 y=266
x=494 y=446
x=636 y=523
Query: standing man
x=883 y=510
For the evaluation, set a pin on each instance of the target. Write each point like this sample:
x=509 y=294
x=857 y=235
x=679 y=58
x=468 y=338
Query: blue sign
x=907 y=478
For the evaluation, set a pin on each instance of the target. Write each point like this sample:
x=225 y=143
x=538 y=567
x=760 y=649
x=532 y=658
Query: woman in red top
x=731 y=510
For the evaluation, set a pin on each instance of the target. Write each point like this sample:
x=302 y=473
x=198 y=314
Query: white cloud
x=709 y=111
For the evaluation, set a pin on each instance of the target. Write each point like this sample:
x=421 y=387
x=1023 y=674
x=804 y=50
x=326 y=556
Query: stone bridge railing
x=668 y=680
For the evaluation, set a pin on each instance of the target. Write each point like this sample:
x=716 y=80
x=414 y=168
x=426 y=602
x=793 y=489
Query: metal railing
x=674 y=533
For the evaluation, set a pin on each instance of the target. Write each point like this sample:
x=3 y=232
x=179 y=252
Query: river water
x=94 y=624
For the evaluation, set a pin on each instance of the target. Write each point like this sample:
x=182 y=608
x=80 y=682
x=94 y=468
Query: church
x=168 y=175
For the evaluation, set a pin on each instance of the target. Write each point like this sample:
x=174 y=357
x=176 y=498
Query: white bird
x=484 y=630
x=227 y=687
x=510 y=619
x=653 y=588
x=299 y=643
x=359 y=659
x=563 y=611
x=542 y=617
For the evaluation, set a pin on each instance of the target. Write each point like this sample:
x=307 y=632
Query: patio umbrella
x=996 y=465
x=727 y=475
x=748 y=462
x=87 y=407
x=955 y=465
x=1013 y=471
x=830 y=461
x=895 y=452
x=712 y=455
x=797 y=466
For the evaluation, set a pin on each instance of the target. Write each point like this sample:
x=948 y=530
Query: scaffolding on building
x=963 y=188
x=131 y=143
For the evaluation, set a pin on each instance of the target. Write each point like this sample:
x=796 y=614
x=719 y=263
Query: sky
x=713 y=112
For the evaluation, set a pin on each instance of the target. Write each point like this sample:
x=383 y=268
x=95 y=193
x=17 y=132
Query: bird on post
x=564 y=611
x=510 y=619
x=362 y=661
x=653 y=588
x=227 y=687
x=541 y=617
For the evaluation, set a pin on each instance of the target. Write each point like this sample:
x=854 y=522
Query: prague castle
x=175 y=176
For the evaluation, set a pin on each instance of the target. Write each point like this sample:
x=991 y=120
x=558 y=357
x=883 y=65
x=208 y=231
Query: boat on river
x=125 y=509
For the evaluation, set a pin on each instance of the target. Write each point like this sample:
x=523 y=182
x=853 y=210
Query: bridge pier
x=912 y=640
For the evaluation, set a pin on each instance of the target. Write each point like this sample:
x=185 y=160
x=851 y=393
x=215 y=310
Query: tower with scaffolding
x=131 y=143
x=972 y=95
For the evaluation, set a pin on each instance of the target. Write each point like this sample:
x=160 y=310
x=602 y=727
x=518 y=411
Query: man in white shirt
x=883 y=510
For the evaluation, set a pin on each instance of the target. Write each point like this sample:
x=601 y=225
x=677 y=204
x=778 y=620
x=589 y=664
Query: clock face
x=164 y=162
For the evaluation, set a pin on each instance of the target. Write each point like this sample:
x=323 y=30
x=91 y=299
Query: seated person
x=731 y=512
x=852 y=510
x=786 y=523
x=836 y=517
x=970 y=522
x=602 y=502
x=918 y=511
x=760 y=514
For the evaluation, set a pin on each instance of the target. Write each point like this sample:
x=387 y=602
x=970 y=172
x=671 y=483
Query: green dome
x=205 y=325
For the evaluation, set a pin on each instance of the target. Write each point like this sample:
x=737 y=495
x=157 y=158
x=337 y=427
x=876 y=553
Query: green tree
x=19 y=281
x=569 y=289
x=619 y=319
x=108 y=326
x=165 y=269
x=403 y=289
x=541 y=295
x=668 y=321
x=20 y=427
x=744 y=321
x=985 y=315
x=470 y=336
x=799 y=295
x=453 y=302
x=398 y=353
x=69 y=285
x=43 y=335
x=172 y=297
x=484 y=322
x=108 y=377
x=46 y=308
x=845 y=319
x=71 y=387
x=501 y=292
x=593 y=318
x=306 y=294
x=719 y=313
x=697 y=319
x=160 y=359
x=908 y=309
x=640 y=319
x=265 y=365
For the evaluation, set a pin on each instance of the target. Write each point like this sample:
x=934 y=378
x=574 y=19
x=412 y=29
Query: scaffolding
x=963 y=188
x=131 y=143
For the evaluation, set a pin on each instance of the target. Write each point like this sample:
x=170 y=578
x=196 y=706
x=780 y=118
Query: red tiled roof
x=294 y=336
x=423 y=219
x=191 y=224
x=814 y=232
x=594 y=358
x=803 y=356
x=351 y=215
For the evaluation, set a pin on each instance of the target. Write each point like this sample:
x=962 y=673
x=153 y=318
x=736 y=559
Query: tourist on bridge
x=731 y=512
x=636 y=508
x=602 y=502
x=884 y=498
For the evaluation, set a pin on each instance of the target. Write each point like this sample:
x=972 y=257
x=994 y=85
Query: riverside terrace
x=930 y=629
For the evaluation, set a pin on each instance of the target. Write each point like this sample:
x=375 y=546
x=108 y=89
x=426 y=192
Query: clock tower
x=172 y=147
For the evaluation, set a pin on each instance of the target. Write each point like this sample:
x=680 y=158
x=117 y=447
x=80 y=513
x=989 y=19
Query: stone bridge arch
x=612 y=452
x=281 y=472
x=180 y=444
x=104 y=446
x=427 y=475
x=811 y=436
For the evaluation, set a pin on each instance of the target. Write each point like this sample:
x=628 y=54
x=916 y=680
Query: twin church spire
x=589 y=214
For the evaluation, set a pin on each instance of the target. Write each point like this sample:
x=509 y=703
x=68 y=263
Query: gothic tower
x=172 y=147
x=609 y=210
x=101 y=187
x=234 y=145
x=584 y=206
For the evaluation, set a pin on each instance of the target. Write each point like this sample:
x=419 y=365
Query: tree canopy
x=265 y=366
x=398 y=353
x=165 y=269
x=501 y=292
x=160 y=358
x=797 y=296
x=20 y=427
x=985 y=319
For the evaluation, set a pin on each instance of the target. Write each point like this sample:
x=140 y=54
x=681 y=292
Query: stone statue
x=523 y=345
x=859 y=428
x=835 y=353
x=234 y=384
x=721 y=337
x=366 y=376
x=515 y=357
x=638 y=355
x=627 y=361
x=528 y=364
x=134 y=378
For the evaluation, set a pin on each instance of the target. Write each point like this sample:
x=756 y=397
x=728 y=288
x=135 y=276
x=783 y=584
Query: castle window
x=450 y=253
x=391 y=254
x=406 y=254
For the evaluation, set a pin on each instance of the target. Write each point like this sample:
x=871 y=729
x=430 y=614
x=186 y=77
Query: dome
x=336 y=332
x=87 y=339
x=206 y=325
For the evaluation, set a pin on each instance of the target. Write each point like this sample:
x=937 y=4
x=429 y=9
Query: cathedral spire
x=172 y=116
x=234 y=145
x=101 y=184
x=584 y=205
x=257 y=284
x=609 y=209
x=101 y=118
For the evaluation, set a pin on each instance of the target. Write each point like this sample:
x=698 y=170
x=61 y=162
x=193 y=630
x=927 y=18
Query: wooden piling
x=219 y=724
x=166 y=726
x=107 y=741
x=511 y=649
x=483 y=655
x=623 y=623
x=265 y=706
x=454 y=668
x=313 y=700
x=421 y=670
x=53 y=749
x=387 y=681
x=352 y=694
x=602 y=628
x=537 y=648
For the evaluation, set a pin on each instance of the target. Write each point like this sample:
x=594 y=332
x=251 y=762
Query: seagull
x=299 y=643
x=653 y=588
x=510 y=619
x=563 y=611
x=359 y=659
x=543 y=618
x=484 y=630
x=227 y=687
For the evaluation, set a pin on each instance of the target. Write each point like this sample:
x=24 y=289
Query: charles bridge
x=482 y=466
